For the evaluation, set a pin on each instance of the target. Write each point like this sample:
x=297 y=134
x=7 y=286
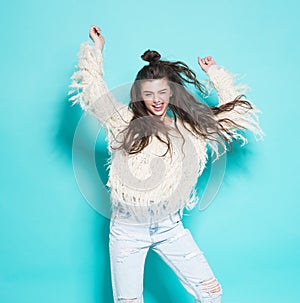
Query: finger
x=95 y=29
x=98 y=28
x=92 y=29
x=200 y=62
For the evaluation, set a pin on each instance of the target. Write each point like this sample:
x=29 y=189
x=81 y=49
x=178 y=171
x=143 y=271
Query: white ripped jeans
x=128 y=247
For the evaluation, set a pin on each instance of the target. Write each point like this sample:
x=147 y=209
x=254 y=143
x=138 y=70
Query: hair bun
x=151 y=56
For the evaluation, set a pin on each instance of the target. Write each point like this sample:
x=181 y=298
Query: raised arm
x=244 y=115
x=88 y=87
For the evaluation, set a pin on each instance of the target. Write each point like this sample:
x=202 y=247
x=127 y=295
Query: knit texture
x=146 y=183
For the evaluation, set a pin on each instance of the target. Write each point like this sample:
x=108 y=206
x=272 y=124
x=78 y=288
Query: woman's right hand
x=96 y=35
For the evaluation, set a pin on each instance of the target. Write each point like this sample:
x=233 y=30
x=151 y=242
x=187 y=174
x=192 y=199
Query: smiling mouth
x=158 y=107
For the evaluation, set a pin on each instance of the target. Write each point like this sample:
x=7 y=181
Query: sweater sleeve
x=247 y=118
x=89 y=90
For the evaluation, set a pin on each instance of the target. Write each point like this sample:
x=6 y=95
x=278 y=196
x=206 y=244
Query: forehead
x=155 y=84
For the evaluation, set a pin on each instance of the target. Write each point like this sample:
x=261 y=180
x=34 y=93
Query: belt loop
x=174 y=217
x=180 y=213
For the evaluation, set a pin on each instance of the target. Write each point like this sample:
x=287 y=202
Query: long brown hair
x=201 y=118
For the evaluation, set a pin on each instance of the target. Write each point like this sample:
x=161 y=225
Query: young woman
x=159 y=147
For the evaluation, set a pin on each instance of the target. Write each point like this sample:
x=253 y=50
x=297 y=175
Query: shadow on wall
x=157 y=273
x=70 y=117
x=237 y=162
x=81 y=139
x=93 y=174
x=161 y=283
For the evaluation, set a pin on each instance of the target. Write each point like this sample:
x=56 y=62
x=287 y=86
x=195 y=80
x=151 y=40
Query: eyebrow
x=148 y=91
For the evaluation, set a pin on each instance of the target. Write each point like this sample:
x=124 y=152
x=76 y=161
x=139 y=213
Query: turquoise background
x=54 y=245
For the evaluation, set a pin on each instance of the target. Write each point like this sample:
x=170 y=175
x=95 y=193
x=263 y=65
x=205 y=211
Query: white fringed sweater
x=146 y=183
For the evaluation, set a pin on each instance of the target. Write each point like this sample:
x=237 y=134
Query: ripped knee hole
x=211 y=286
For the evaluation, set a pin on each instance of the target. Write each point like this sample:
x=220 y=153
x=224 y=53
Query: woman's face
x=156 y=95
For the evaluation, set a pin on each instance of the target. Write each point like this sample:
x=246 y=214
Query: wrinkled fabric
x=129 y=244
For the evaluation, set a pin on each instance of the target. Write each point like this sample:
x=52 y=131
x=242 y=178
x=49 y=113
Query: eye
x=147 y=95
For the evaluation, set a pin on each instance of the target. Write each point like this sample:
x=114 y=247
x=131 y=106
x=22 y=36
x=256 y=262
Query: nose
x=156 y=98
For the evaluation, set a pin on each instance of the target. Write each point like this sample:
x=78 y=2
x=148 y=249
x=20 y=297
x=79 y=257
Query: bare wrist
x=98 y=45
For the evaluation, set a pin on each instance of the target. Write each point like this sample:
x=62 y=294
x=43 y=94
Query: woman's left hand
x=206 y=63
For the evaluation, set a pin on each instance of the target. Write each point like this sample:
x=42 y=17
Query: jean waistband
x=173 y=218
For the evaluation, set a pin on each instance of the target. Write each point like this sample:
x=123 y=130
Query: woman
x=159 y=147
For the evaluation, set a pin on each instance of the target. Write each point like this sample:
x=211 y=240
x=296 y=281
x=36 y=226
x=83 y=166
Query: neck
x=167 y=120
